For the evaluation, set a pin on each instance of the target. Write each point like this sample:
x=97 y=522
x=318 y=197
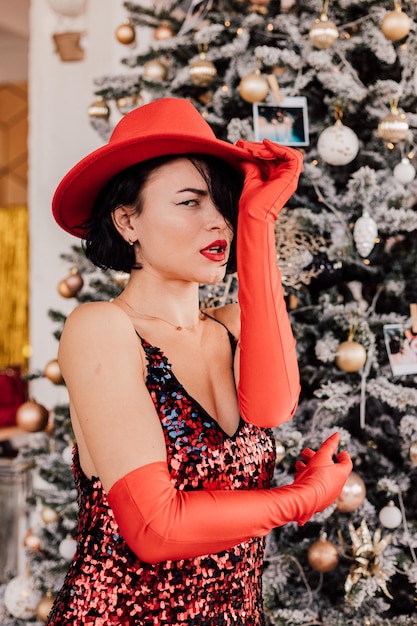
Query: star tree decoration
x=365 y=552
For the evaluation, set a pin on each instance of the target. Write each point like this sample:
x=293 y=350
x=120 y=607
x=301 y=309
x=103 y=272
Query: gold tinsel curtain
x=14 y=286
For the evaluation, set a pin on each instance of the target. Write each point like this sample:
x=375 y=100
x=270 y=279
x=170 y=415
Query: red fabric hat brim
x=75 y=195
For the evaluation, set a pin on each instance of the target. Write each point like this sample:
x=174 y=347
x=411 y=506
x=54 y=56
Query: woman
x=172 y=406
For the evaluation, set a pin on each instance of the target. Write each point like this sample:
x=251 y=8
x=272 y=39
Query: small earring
x=130 y=242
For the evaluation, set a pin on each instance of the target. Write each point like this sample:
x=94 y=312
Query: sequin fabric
x=107 y=584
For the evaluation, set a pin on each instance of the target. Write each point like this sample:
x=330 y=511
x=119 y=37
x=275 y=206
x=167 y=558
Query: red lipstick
x=215 y=251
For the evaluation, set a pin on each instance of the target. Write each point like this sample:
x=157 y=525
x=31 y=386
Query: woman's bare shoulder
x=96 y=315
x=95 y=323
x=229 y=315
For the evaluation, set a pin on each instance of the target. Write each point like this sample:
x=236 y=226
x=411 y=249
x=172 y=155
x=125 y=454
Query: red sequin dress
x=108 y=585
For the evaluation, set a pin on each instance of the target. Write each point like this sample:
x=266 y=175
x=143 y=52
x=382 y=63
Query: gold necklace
x=145 y=316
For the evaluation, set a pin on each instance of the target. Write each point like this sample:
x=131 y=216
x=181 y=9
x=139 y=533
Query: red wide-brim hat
x=163 y=127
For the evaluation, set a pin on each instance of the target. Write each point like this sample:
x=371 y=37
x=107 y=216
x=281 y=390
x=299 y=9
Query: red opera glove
x=160 y=522
x=269 y=384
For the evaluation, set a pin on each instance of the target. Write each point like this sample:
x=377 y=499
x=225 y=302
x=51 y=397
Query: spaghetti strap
x=219 y=322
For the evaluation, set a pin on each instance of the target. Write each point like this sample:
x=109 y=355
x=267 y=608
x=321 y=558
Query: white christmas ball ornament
x=390 y=516
x=404 y=171
x=21 y=597
x=67 y=454
x=68 y=8
x=67 y=548
x=338 y=144
x=365 y=232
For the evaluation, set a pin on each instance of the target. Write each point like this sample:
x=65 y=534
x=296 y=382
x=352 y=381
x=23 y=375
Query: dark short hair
x=102 y=242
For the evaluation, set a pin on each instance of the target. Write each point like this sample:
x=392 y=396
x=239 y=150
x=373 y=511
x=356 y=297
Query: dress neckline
x=194 y=402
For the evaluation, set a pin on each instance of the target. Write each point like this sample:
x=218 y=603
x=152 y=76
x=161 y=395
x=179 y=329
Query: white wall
x=59 y=135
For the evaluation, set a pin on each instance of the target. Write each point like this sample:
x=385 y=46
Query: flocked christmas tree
x=339 y=81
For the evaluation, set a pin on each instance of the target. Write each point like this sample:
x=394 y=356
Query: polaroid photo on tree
x=401 y=345
x=286 y=122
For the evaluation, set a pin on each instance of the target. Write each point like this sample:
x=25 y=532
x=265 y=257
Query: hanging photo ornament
x=393 y=127
x=323 y=33
x=202 y=72
x=396 y=24
x=125 y=33
x=21 y=597
x=338 y=144
x=99 y=109
x=404 y=171
x=323 y=555
x=390 y=516
x=155 y=71
x=365 y=233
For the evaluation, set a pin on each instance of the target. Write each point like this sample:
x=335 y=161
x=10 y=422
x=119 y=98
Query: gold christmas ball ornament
x=128 y=103
x=353 y=494
x=254 y=87
x=125 y=33
x=350 y=356
x=202 y=72
x=390 y=516
x=155 y=71
x=44 y=607
x=32 y=416
x=32 y=541
x=323 y=555
x=99 y=109
x=286 y=5
x=52 y=371
x=279 y=451
x=71 y=285
x=413 y=453
x=393 y=127
x=163 y=31
x=49 y=515
x=396 y=24
x=323 y=33
x=121 y=278
x=259 y=6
